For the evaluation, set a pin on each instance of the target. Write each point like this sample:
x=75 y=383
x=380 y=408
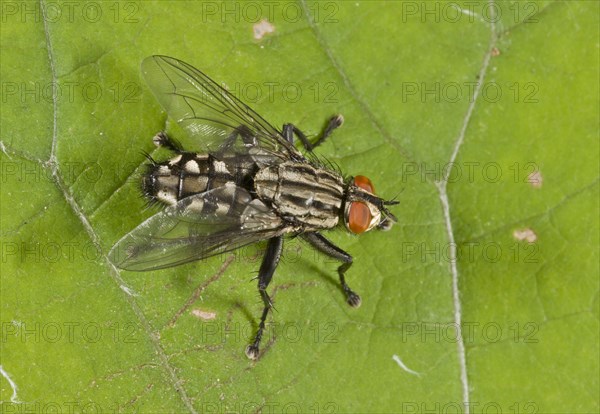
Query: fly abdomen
x=184 y=175
x=188 y=173
x=311 y=197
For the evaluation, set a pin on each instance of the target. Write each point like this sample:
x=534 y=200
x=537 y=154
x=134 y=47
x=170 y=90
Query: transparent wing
x=197 y=227
x=207 y=111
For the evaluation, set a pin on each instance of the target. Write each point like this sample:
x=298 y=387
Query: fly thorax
x=308 y=196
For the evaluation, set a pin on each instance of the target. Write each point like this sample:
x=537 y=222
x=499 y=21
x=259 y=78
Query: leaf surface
x=480 y=117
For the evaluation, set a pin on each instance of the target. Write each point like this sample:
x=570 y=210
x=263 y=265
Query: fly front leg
x=290 y=129
x=265 y=274
x=323 y=245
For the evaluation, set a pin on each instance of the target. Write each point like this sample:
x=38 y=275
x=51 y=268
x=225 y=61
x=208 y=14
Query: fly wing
x=209 y=112
x=197 y=227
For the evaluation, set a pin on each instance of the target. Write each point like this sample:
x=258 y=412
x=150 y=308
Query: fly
x=248 y=184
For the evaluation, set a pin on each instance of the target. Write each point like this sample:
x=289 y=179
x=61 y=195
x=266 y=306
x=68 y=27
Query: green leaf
x=480 y=117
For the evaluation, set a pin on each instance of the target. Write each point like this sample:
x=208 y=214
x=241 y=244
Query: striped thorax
x=309 y=197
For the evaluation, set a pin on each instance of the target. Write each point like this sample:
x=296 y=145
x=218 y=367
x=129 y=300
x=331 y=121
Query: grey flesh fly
x=249 y=183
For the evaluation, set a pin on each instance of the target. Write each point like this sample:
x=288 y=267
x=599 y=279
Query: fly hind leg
x=163 y=140
x=289 y=130
x=267 y=268
x=320 y=243
x=242 y=132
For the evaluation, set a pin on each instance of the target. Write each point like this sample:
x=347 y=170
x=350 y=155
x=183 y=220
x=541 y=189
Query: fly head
x=363 y=210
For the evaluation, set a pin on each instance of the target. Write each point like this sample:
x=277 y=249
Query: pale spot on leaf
x=535 y=179
x=204 y=315
x=262 y=28
x=525 y=234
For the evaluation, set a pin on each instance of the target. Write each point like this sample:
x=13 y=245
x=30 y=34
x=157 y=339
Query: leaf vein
x=443 y=196
x=114 y=272
x=363 y=105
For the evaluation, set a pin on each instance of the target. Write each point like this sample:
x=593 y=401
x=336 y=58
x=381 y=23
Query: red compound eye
x=363 y=182
x=359 y=215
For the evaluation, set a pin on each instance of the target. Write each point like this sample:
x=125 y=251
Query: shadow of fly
x=248 y=184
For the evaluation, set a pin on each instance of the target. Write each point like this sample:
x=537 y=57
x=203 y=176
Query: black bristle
x=149 y=158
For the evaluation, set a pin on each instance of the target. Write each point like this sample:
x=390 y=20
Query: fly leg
x=163 y=140
x=323 y=245
x=265 y=274
x=241 y=131
x=289 y=130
